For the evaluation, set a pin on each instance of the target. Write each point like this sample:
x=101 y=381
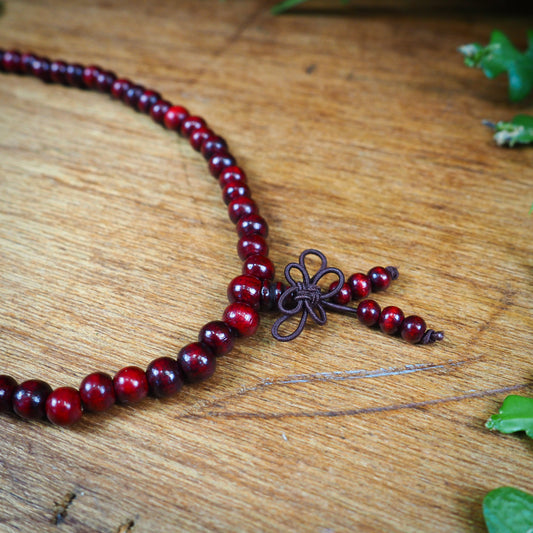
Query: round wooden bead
x=360 y=285
x=252 y=245
x=97 y=392
x=380 y=278
x=245 y=289
x=63 y=406
x=7 y=387
x=368 y=312
x=197 y=362
x=413 y=329
x=258 y=266
x=29 y=399
x=391 y=320
x=131 y=385
x=241 y=318
x=164 y=377
x=344 y=296
x=217 y=336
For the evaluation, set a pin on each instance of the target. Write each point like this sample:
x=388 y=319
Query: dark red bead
x=147 y=100
x=164 y=377
x=344 y=296
x=360 y=285
x=7 y=387
x=119 y=88
x=258 y=266
x=26 y=61
x=74 y=75
x=391 y=320
x=270 y=294
x=252 y=225
x=214 y=144
x=12 y=62
x=251 y=245
x=217 y=336
x=159 y=110
x=379 y=278
x=174 y=117
x=245 y=289
x=58 y=72
x=131 y=96
x=90 y=74
x=413 y=329
x=190 y=124
x=104 y=81
x=97 y=392
x=368 y=312
x=219 y=162
x=198 y=137
x=40 y=68
x=63 y=406
x=29 y=399
x=197 y=362
x=131 y=385
x=241 y=207
x=234 y=191
x=232 y=175
x=2 y=52
x=242 y=318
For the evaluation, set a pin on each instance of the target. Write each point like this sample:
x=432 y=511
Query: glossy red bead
x=40 y=68
x=218 y=162
x=58 y=72
x=131 y=96
x=258 y=266
x=413 y=329
x=147 y=100
x=214 y=144
x=97 y=392
x=232 y=175
x=63 y=406
x=234 y=191
x=379 y=278
x=368 y=312
x=12 y=61
x=241 y=207
x=271 y=292
x=7 y=387
x=29 y=399
x=344 y=296
x=104 y=81
x=174 y=117
x=90 y=74
x=130 y=384
x=26 y=61
x=164 y=377
x=74 y=75
x=242 y=318
x=360 y=285
x=159 y=110
x=252 y=225
x=391 y=320
x=197 y=362
x=217 y=336
x=190 y=124
x=119 y=88
x=252 y=245
x=198 y=136
x=245 y=289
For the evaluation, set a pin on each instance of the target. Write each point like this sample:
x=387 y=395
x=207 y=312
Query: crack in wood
x=61 y=507
x=126 y=527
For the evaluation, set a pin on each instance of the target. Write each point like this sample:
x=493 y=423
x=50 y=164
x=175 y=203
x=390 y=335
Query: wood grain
x=361 y=135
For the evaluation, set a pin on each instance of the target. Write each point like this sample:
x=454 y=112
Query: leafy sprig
x=508 y=510
x=515 y=414
x=518 y=131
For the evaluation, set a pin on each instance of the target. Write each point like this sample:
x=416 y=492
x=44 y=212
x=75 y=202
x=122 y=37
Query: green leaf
x=285 y=6
x=515 y=414
x=508 y=510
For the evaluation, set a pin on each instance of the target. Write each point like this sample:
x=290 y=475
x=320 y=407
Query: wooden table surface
x=360 y=131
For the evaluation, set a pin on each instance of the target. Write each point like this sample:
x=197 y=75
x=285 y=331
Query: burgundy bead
x=252 y=225
x=12 y=61
x=232 y=175
x=259 y=266
x=2 y=52
x=245 y=289
x=217 y=336
x=131 y=96
x=147 y=100
x=74 y=75
x=241 y=207
x=235 y=190
x=26 y=61
x=251 y=245
x=344 y=296
x=7 y=387
x=368 y=312
x=360 y=285
x=413 y=329
x=119 y=88
x=379 y=278
x=40 y=68
x=131 y=385
x=90 y=74
x=159 y=110
x=214 y=144
x=97 y=392
x=63 y=406
x=164 y=377
x=175 y=116
x=198 y=137
x=219 y=162
x=104 y=81
x=391 y=320
x=190 y=124
x=242 y=318
x=29 y=399
x=197 y=362
x=270 y=294
x=58 y=72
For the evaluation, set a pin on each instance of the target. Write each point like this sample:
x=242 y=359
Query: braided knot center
x=311 y=293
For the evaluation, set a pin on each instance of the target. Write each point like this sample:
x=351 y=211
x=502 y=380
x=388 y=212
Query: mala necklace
x=249 y=293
